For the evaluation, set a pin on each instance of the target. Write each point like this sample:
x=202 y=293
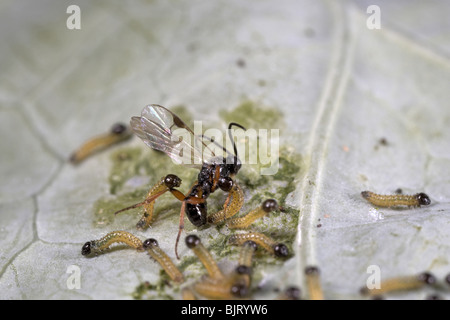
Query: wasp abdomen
x=196 y=213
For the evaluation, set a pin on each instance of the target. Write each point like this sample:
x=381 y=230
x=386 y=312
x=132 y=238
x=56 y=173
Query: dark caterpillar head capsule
x=447 y=279
x=281 y=250
x=172 y=181
x=270 y=205
x=365 y=194
x=426 y=278
x=312 y=270
x=118 y=128
x=86 y=249
x=148 y=243
x=242 y=269
x=239 y=290
x=225 y=183
x=293 y=293
x=192 y=241
x=423 y=199
x=250 y=243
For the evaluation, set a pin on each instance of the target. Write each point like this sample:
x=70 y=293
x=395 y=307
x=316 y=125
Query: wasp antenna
x=217 y=144
x=232 y=140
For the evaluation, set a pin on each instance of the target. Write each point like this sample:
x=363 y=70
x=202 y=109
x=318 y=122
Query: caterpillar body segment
x=153 y=249
x=246 y=220
x=396 y=200
x=231 y=208
x=119 y=132
x=277 y=249
x=403 y=283
x=193 y=242
x=98 y=246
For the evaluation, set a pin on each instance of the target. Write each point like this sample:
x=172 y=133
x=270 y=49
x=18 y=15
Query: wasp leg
x=231 y=207
x=192 y=200
x=168 y=183
x=181 y=225
x=180 y=229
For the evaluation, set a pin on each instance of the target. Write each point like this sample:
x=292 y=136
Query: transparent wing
x=163 y=130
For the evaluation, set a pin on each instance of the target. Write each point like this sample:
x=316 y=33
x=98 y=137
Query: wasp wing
x=163 y=130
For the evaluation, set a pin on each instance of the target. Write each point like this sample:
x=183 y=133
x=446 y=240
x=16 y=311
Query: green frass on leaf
x=253 y=115
x=154 y=291
x=104 y=208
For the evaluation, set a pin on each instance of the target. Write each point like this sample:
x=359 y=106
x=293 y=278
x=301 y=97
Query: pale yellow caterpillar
x=97 y=246
x=153 y=249
x=244 y=270
x=230 y=208
x=245 y=221
x=395 y=200
x=118 y=133
x=400 y=284
x=193 y=242
x=277 y=249
x=312 y=274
